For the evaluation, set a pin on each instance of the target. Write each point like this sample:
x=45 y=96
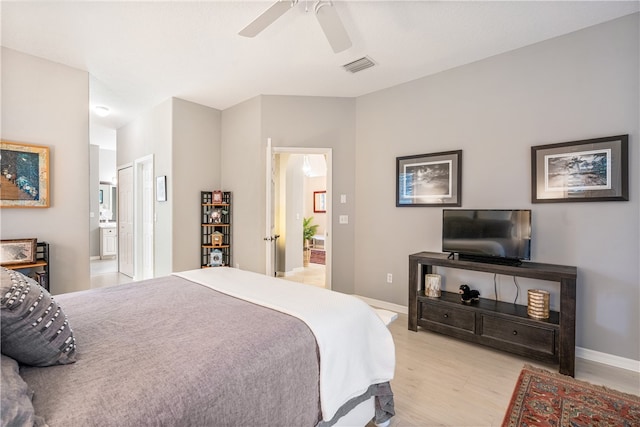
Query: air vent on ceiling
x=359 y=64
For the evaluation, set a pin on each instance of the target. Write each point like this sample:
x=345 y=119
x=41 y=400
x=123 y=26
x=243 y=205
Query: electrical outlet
x=389 y=278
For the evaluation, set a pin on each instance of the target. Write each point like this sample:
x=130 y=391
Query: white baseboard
x=608 y=359
x=386 y=305
x=582 y=353
x=293 y=272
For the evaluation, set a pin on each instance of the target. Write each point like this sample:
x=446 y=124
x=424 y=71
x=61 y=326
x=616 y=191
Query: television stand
x=501 y=325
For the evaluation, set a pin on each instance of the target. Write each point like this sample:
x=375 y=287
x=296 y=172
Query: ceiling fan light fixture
x=359 y=64
x=326 y=15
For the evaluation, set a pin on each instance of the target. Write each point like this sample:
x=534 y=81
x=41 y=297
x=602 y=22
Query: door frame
x=142 y=250
x=124 y=248
x=270 y=208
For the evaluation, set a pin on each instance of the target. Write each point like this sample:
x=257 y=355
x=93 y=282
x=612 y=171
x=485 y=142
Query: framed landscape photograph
x=429 y=179
x=592 y=170
x=24 y=175
x=17 y=251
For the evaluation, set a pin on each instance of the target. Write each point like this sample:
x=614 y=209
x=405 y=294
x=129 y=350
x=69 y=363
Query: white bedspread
x=356 y=349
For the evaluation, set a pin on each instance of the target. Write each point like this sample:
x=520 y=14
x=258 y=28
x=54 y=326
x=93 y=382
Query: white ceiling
x=141 y=53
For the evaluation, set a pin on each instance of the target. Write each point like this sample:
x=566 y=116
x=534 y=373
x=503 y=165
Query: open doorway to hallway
x=300 y=196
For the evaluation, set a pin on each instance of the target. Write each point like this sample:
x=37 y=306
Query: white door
x=270 y=238
x=144 y=218
x=125 y=221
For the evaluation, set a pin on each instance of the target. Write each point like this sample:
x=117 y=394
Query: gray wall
x=583 y=85
x=45 y=103
x=151 y=134
x=322 y=122
x=290 y=121
x=184 y=139
x=196 y=167
x=243 y=174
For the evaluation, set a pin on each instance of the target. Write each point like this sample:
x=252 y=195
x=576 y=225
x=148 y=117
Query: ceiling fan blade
x=267 y=18
x=332 y=26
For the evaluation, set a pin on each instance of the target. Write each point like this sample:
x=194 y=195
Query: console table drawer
x=449 y=316
x=537 y=338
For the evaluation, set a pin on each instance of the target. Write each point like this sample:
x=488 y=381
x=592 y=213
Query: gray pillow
x=34 y=330
x=17 y=409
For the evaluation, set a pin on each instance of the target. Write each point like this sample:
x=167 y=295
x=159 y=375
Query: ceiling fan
x=325 y=12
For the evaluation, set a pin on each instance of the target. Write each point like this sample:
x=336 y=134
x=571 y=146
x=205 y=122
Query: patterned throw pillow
x=16 y=408
x=34 y=330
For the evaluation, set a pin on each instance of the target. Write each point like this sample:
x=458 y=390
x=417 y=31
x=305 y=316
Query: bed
x=209 y=347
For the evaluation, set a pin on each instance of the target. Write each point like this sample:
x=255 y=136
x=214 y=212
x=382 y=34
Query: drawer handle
x=515 y=332
x=446 y=315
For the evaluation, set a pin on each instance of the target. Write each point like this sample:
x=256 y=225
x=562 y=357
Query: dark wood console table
x=498 y=324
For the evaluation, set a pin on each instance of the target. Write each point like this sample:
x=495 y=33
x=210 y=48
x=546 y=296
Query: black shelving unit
x=215 y=216
x=40 y=269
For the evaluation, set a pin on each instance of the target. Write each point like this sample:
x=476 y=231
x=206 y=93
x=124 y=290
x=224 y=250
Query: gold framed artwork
x=24 y=175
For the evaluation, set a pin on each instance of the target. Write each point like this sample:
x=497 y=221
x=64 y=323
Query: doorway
x=136 y=219
x=296 y=177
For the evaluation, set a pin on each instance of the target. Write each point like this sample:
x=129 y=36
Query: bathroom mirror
x=108 y=199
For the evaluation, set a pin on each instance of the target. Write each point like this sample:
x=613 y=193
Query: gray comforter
x=167 y=352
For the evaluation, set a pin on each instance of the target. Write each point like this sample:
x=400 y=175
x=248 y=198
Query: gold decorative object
x=432 y=285
x=216 y=238
x=538 y=303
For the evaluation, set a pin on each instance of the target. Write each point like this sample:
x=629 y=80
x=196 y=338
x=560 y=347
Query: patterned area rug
x=317 y=257
x=543 y=398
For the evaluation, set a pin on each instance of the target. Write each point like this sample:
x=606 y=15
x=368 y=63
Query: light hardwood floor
x=441 y=381
x=104 y=273
x=313 y=274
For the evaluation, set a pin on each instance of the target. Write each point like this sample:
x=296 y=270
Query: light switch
x=343 y=198
x=344 y=219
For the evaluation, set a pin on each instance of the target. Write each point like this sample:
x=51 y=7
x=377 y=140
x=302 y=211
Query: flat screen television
x=489 y=235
